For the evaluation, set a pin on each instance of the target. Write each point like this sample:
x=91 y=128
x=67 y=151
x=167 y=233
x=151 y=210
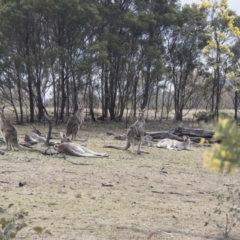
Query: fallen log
x=163 y=134
x=193 y=132
x=195 y=139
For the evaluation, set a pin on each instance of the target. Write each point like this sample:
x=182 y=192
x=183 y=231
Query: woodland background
x=117 y=55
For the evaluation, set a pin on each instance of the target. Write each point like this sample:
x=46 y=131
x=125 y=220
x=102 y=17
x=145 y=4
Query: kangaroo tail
x=22 y=148
x=118 y=148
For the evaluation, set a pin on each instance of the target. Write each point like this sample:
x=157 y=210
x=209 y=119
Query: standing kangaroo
x=174 y=144
x=134 y=134
x=74 y=123
x=72 y=149
x=9 y=134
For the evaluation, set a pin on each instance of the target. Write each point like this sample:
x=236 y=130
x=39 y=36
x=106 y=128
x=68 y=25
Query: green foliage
x=205 y=116
x=227 y=153
x=41 y=231
x=226 y=115
x=10 y=228
x=222 y=34
x=38 y=229
x=79 y=195
x=57 y=46
x=226 y=214
x=208 y=116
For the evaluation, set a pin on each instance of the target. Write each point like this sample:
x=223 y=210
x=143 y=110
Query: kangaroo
x=64 y=138
x=174 y=144
x=74 y=123
x=9 y=134
x=34 y=137
x=134 y=134
x=72 y=149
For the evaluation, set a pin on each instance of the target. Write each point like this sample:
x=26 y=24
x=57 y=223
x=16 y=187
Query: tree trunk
x=74 y=99
x=236 y=106
x=106 y=94
x=63 y=93
x=31 y=98
x=217 y=94
x=58 y=100
x=135 y=95
x=39 y=99
x=156 y=103
x=90 y=95
x=20 y=97
x=67 y=97
x=147 y=86
x=40 y=107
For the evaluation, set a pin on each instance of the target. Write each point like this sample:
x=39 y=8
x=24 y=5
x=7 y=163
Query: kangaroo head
x=2 y=110
x=2 y=113
x=141 y=113
x=64 y=138
x=36 y=131
x=56 y=146
x=186 y=139
x=80 y=111
x=81 y=106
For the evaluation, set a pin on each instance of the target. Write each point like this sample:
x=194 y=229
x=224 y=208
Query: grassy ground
x=76 y=202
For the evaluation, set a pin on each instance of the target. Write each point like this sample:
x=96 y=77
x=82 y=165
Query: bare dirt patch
x=124 y=196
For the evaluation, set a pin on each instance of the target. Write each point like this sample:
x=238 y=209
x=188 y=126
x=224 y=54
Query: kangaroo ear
x=56 y=145
x=61 y=135
x=81 y=105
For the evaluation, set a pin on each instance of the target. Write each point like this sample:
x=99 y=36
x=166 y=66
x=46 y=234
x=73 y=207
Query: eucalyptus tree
x=46 y=48
x=184 y=42
x=16 y=28
x=234 y=77
x=117 y=38
x=72 y=27
x=133 y=42
x=222 y=34
x=11 y=69
x=157 y=16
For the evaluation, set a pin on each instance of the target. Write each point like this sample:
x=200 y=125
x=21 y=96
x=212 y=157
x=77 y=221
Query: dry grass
x=71 y=202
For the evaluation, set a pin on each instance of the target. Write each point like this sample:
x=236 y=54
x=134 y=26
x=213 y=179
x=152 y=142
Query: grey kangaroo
x=9 y=134
x=174 y=144
x=74 y=122
x=135 y=134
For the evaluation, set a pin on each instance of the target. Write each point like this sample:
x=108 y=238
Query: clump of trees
x=116 y=55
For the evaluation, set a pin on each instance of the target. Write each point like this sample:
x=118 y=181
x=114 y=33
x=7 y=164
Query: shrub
x=227 y=212
x=208 y=116
x=226 y=150
x=204 y=116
